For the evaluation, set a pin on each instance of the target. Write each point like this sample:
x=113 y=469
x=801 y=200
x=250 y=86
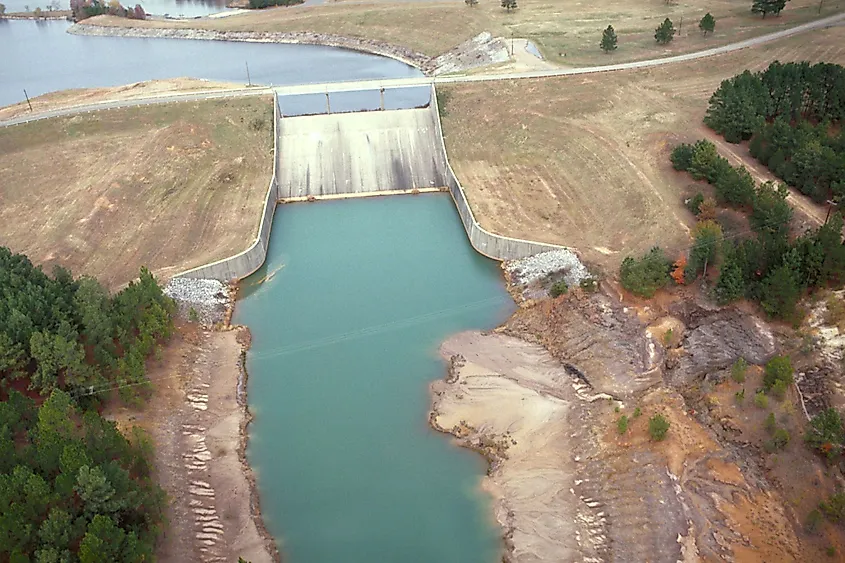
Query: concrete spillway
x=354 y=153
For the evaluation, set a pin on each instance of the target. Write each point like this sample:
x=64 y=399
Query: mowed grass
x=168 y=186
x=584 y=160
x=567 y=32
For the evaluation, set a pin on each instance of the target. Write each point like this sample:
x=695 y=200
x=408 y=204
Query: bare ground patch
x=169 y=187
x=584 y=160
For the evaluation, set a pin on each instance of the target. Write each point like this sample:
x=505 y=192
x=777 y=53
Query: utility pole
x=830 y=204
x=511 y=43
x=680 y=26
x=382 y=98
x=821 y=2
x=27 y=99
x=248 y=81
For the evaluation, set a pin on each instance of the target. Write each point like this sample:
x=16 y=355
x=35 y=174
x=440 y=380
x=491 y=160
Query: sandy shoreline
x=198 y=418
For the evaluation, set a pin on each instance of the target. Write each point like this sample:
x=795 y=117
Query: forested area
x=72 y=487
x=793 y=115
x=766 y=266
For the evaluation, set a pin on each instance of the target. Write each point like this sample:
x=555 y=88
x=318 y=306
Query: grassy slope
x=566 y=33
x=583 y=160
x=166 y=186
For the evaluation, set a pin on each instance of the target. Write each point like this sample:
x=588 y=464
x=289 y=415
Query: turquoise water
x=345 y=339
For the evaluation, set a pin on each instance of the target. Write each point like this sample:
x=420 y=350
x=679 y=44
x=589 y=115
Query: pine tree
x=509 y=5
x=707 y=24
x=608 y=40
x=767 y=7
x=664 y=33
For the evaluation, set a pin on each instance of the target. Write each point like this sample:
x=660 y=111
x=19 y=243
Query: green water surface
x=345 y=339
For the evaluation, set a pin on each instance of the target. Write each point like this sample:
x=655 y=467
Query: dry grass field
x=566 y=32
x=165 y=186
x=584 y=160
x=82 y=96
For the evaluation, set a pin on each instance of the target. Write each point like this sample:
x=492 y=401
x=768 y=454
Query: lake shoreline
x=246 y=418
x=369 y=46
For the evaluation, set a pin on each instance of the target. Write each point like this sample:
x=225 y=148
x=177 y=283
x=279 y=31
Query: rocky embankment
x=479 y=51
x=541 y=397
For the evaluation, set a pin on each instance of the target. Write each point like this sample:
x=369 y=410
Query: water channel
x=345 y=338
x=345 y=334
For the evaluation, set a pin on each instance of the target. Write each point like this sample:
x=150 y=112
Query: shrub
x=559 y=288
x=813 y=521
x=778 y=368
x=779 y=441
x=771 y=424
x=740 y=396
x=193 y=316
x=681 y=158
x=761 y=400
x=637 y=412
x=826 y=433
x=667 y=337
x=831 y=551
x=622 y=424
x=590 y=285
x=834 y=507
x=779 y=389
x=645 y=276
x=738 y=370
x=658 y=426
x=694 y=203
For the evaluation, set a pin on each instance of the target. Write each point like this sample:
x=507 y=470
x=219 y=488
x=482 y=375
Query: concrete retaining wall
x=244 y=263
x=491 y=245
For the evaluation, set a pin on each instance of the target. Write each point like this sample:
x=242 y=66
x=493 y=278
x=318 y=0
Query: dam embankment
x=355 y=153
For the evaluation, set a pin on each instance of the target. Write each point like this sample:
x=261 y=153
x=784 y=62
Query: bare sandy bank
x=198 y=423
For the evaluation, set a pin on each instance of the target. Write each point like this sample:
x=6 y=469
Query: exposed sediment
x=201 y=443
x=540 y=400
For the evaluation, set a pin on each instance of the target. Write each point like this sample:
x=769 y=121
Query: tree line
x=72 y=487
x=83 y=9
x=792 y=113
x=768 y=267
x=258 y=4
x=61 y=332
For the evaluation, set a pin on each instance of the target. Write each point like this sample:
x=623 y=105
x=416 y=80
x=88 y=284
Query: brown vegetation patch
x=166 y=186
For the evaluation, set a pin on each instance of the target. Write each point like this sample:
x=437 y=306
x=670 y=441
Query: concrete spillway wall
x=489 y=244
x=355 y=153
x=244 y=263
x=358 y=153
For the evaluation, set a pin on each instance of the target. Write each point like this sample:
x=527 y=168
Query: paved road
x=830 y=21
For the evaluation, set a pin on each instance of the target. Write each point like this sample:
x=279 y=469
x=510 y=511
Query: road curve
x=822 y=23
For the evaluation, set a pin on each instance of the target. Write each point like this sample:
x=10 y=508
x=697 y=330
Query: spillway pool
x=358 y=296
